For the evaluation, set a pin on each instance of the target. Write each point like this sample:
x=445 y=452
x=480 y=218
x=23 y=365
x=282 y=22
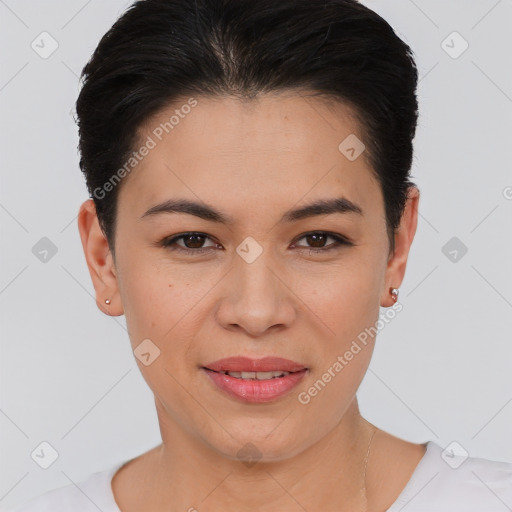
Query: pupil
x=199 y=240
x=318 y=240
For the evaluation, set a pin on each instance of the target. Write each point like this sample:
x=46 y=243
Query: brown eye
x=317 y=241
x=192 y=243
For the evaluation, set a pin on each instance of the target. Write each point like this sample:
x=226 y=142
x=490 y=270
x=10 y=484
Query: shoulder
x=446 y=482
x=91 y=494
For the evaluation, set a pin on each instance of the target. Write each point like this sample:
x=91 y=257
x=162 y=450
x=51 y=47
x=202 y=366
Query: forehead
x=277 y=148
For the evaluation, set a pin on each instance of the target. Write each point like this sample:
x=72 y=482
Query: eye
x=318 y=239
x=192 y=243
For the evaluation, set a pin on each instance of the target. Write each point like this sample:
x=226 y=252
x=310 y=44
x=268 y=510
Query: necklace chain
x=365 y=468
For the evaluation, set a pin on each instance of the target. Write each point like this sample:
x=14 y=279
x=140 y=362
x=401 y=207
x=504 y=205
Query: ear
x=404 y=236
x=99 y=260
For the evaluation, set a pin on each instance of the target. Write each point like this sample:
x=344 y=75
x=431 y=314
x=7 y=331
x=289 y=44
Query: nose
x=257 y=298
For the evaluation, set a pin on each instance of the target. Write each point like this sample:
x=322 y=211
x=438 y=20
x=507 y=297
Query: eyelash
x=170 y=243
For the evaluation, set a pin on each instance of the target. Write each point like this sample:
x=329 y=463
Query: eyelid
x=337 y=236
x=170 y=243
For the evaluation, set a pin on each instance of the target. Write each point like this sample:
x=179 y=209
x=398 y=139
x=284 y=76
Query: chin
x=253 y=441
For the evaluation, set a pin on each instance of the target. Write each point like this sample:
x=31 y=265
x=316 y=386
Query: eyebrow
x=203 y=211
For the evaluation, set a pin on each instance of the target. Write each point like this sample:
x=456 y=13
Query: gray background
x=442 y=368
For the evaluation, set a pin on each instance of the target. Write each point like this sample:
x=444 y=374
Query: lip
x=255 y=391
x=246 y=364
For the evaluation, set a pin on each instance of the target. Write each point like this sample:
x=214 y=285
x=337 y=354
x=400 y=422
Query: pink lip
x=255 y=391
x=246 y=364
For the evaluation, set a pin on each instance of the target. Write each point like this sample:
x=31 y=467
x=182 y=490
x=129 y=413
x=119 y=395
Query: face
x=254 y=273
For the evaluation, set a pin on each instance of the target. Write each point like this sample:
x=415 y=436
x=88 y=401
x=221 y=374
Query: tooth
x=257 y=375
x=264 y=375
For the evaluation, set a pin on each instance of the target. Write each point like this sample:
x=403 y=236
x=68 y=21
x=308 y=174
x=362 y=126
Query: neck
x=330 y=473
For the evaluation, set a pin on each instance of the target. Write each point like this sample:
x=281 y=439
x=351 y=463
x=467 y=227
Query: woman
x=251 y=211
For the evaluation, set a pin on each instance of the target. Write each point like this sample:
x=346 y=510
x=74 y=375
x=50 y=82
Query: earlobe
x=99 y=260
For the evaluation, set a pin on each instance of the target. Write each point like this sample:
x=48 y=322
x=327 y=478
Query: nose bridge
x=255 y=276
x=257 y=298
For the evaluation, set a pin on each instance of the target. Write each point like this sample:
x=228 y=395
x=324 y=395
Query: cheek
x=162 y=307
x=344 y=298
x=163 y=302
x=349 y=306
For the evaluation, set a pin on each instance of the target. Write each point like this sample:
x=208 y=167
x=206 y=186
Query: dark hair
x=161 y=50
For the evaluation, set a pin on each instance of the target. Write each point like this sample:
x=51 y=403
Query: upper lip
x=246 y=364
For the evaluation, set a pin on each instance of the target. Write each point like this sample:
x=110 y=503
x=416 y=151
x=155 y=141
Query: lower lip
x=255 y=391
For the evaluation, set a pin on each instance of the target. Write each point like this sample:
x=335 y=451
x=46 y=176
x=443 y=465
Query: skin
x=253 y=161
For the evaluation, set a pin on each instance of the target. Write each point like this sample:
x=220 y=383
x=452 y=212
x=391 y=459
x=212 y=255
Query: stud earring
x=394 y=293
x=107 y=301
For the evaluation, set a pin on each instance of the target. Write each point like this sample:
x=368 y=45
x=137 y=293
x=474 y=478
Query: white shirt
x=477 y=485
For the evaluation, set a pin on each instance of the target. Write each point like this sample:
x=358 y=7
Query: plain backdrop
x=441 y=369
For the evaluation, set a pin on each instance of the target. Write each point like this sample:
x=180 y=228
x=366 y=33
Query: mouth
x=246 y=365
x=255 y=380
x=254 y=375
